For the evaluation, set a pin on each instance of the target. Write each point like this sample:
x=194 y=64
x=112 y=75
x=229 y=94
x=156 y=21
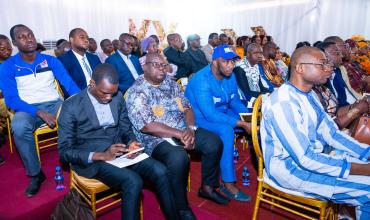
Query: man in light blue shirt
x=295 y=130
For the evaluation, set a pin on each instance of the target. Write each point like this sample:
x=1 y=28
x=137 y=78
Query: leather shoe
x=35 y=183
x=213 y=195
x=239 y=196
x=187 y=215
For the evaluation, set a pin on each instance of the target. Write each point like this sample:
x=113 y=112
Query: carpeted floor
x=14 y=204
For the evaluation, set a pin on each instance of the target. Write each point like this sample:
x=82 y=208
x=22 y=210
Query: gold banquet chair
x=45 y=130
x=182 y=83
x=288 y=200
x=89 y=189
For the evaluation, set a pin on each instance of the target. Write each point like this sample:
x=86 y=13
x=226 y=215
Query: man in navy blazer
x=127 y=65
x=79 y=63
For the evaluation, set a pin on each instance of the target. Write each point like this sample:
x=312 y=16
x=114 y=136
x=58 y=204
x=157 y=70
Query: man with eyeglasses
x=294 y=132
x=357 y=80
x=213 y=94
x=336 y=84
x=163 y=122
x=127 y=65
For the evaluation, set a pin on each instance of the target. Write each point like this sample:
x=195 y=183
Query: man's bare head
x=309 y=67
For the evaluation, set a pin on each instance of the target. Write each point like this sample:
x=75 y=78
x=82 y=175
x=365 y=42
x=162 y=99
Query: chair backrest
x=60 y=91
x=256 y=119
x=182 y=82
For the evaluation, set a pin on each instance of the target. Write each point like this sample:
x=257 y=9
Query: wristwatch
x=193 y=127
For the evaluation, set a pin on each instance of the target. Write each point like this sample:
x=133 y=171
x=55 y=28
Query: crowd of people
x=126 y=97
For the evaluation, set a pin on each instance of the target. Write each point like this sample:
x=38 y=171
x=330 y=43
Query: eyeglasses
x=324 y=66
x=158 y=65
x=335 y=52
x=345 y=45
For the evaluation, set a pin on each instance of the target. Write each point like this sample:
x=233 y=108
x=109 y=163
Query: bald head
x=333 y=39
x=309 y=67
x=305 y=54
x=254 y=53
x=251 y=46
x=269 y=50
x=153 y=56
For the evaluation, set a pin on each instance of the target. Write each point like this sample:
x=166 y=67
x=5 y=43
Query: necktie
x=87 y=67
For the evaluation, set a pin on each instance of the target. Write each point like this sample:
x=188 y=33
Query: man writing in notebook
x=94 y=128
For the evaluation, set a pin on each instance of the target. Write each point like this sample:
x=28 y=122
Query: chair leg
x=93 y=203
x=36 y=137
x=323 y=213
x=141 y=209
x=9 y=135
x=258 y=200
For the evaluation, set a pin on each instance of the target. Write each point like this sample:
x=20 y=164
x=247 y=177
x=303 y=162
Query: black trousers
x=175 y=158
x=130 y=182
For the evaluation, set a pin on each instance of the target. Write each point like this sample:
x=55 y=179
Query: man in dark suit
x=127 y=65
x=78 y=63
x=93 y=128
x=177 y=56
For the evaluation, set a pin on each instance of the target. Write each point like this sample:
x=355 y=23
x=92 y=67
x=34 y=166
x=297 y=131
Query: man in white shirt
x=78 y=63
x=213 y=41
x=127 y=65
x=107 y=49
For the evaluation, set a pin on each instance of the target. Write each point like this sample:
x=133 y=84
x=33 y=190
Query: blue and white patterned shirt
x=294 y=132
x=147 y=103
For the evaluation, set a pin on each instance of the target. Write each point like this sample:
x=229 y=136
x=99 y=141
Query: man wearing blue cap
x=213 y=94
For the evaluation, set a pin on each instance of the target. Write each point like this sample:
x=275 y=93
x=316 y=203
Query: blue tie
x=87 y=67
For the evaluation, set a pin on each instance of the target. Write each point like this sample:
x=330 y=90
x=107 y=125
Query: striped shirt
x=294 y=133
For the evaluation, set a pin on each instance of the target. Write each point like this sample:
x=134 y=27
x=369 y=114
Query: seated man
x=94 y=128
x=127 y=65
x=78 y=62
x=213 y=94
x=295 y=130
x=5 y=52
x=28 y=83
x=107 y=49
x=197 y=56
x=158 y=109
x=175 y=55
x=336 y=84
x=248 y=73
x=271 y=72
x=213 y=41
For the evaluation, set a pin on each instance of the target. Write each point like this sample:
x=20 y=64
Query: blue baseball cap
x=225 y=52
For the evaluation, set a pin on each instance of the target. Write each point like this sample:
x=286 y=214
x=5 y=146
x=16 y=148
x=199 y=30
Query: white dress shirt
x=86 y=71
x=129 y=64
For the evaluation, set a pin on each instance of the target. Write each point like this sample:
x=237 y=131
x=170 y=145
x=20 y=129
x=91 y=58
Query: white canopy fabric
x=287 y=21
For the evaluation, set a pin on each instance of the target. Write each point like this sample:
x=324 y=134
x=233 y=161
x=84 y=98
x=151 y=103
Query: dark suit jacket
x=70 y=62
x=181 y=59
x=79 y=132
x=125 y=77
x=339 y=86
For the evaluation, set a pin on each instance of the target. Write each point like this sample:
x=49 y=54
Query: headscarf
x=145 y=43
